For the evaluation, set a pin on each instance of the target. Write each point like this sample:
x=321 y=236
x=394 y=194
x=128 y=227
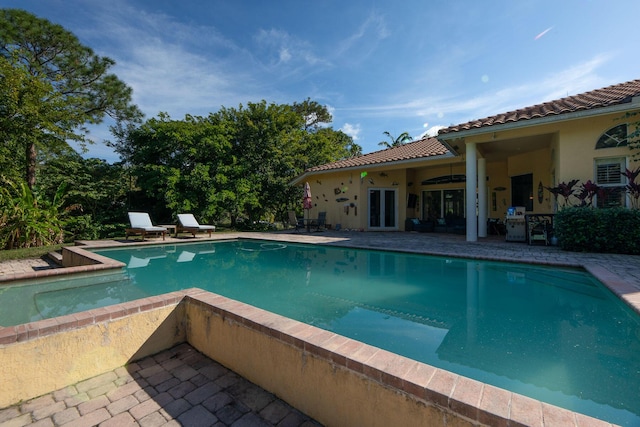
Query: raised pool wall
x=336 y=380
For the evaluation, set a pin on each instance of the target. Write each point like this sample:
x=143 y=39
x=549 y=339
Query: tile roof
x=608 y=96
x=426 y=147
x=430 y=147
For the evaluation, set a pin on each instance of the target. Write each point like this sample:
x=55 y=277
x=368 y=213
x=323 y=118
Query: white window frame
x=622 y=162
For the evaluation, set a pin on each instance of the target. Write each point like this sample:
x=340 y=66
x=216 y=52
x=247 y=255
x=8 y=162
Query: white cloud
x=433 y=130
x=169 y=66
x=285 y=56
x=289 y=50
x=362 y=43
x=352 y=130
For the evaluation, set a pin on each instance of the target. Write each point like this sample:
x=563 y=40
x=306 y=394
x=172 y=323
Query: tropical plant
x=395 y=142
x=27 y=220
x=633 y=188
x=96 y=191
x=586 y=193
x=566 y=190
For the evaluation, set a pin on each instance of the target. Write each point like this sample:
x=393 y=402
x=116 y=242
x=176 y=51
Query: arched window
x=614 y=137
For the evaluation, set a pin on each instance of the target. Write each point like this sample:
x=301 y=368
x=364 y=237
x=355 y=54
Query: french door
x=443 y=204
x=383 y=209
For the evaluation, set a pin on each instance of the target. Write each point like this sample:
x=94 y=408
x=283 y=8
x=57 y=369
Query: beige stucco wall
x=577 y=143
x=568 y=152
x=37 y=366
x=352 y=213
x=327 y=188
x=498 y=186
x=331 y=394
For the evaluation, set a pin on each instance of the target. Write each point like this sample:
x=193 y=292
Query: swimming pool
x=556 y=335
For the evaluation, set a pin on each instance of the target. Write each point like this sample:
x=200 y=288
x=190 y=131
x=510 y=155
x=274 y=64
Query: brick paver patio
x=177 y=387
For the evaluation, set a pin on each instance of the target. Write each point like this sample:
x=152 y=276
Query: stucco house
x=473 y=172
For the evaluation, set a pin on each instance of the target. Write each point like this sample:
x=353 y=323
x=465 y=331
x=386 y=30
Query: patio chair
x=141 y=224
x=321 y=222
x=294 y=221
x=188 y=223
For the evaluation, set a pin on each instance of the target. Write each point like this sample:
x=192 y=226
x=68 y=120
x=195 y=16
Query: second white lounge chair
x=188 y=223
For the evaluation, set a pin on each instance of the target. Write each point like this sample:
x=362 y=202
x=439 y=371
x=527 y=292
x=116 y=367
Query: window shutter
x=608 y=173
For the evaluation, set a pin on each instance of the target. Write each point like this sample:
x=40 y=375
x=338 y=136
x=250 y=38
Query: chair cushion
x=188 y=220
x=140 y=220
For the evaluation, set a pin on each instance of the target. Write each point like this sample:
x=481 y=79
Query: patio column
x=482 y=197
x=472 y=184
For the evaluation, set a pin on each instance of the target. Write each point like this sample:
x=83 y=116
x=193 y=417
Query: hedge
x=612 y=230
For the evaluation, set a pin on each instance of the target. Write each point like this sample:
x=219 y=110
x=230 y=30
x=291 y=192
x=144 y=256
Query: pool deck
x=190 y=389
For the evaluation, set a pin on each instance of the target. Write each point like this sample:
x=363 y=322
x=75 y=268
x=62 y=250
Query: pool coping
x=451 y=393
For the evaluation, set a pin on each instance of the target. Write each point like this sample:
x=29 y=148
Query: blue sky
x=396 y=66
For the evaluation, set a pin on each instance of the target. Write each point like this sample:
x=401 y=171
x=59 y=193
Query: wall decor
x=540 y=192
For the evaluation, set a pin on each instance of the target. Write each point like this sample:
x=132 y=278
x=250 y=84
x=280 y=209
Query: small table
x=171 y=228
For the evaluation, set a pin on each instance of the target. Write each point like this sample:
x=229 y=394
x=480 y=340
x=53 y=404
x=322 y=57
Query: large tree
x=235 y=163
x=51 y=86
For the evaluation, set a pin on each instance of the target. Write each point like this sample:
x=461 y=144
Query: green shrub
x=27 y=220
x=612 y=230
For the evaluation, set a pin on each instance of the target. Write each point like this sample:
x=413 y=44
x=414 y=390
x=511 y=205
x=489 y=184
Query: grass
x=25 y=253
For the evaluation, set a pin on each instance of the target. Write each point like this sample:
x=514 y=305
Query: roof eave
x=618 y=108
x=305 y=175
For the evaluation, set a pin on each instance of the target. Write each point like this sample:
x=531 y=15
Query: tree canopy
x=236 y=162
x=52 y=86
x=233 y=165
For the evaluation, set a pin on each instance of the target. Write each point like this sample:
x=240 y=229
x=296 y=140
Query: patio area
x=180 y=386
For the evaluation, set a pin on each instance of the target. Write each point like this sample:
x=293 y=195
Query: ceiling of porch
x=500 y=150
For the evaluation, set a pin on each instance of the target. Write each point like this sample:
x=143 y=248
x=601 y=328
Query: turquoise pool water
x=556 y=335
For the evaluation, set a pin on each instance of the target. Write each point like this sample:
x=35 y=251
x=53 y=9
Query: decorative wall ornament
x=540 y=192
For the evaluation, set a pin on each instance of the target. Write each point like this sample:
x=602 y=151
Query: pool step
x=55 y=257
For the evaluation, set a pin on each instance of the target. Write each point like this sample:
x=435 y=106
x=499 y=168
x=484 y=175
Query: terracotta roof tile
x=611 y=95
x=426 y=147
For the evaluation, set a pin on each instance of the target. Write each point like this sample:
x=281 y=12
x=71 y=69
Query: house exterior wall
x=538 y=164
x=328 y=191
x=577 y=148
x=499 y=189
x=563 y=150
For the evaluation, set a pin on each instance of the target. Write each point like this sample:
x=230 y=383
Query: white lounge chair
x=141 y=224
x=188 y=223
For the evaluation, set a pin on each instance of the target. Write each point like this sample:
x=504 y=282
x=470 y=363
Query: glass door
x=443 y=204
x=383 y=209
